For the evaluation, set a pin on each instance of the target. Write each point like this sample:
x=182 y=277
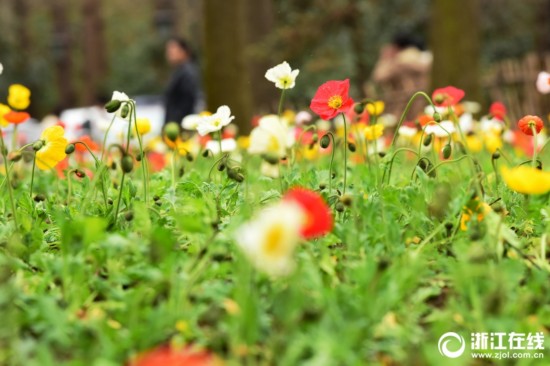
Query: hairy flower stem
x=121 y=188
x=8 y=180
x=32 y=174
x=404 y=114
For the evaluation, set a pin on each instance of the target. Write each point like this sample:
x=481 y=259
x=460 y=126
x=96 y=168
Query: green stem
x=419 y=93
x=280 y=109
x=534 y=131
x=89 y=150
x=391 y=162
x=144 y=169
x=14 y=138
x=8 y=180
x=32 y=174
x=119 y=196
x=345 y=153
x=331 y=160
x=105 y=137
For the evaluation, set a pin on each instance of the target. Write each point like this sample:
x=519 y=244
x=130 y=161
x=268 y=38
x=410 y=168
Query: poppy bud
x=181 y=172
x=113 y=165
x=206 y=153
x=127 y=163
x=351 y=147
x=129 y=216
x=125 y=110
x=381 y=154
x=496 y=155
x=221 y=167
x=39 y=198
x=69 y=149
x=15 y=156
x=37 y=145
x=439 y=98
x=325 y=141
x=235 y=173
x=315 y=138
x=346 y=200
x=79 y=173
x=110 y=201
x=156 y=197
x=339 y=207
x=322 y=186
x=359 y=108
x=271 y=158
x=112 y=106
x=189 y=157
x=427 y=140
x=447 y=150
x=172 y=131
x=437 y=117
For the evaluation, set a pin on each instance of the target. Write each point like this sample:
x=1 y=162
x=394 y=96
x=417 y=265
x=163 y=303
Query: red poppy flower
x=527 y=122
x=318 y=220
x=331 y=99
x=498 y=110
x=157 y=161
x=171 y=356
x=447 y=97
x=16 y=117
x=425 y=119
x=88 y=141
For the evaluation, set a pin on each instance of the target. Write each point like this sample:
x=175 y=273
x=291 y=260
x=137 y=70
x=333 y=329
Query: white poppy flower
x=407 y=131
x=122 y=97
x=543 y=82
x=191 y=122
x=282 y=75
x=216 y=121
x=228 y=145
x=270 y=239
x=270 y=137
x=440 y=129
x=490 y=125
x=466 y=121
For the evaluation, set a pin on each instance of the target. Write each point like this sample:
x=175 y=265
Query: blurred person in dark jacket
x=183 y=95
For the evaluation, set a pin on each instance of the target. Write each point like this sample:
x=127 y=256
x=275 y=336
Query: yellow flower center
x=217 y=123
x=273 y=245
x=335 y=102
x=273 y=145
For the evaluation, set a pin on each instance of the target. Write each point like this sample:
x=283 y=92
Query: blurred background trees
x=73 y=53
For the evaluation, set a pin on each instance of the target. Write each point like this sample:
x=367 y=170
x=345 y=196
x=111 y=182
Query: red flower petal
x=169 y=356
x=318 y=220
x=447 y=96
x=16 y=117
x=526 y=122
x=498 y=110
x=321 y=102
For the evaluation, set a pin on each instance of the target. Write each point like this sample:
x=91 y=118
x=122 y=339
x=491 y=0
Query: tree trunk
x=62 y=54
x=455 y=41
x=260 y=21
x=95 y=66
x=225 y=66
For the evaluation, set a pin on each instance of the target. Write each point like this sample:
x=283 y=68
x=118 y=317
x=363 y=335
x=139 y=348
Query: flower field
x=332 y=235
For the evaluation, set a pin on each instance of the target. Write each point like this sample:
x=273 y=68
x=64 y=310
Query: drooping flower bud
x=112 y=106
x=351 y=147
x=315 y=138
x=37 y=145
x=69 y=149
x=125 y=110
x=437 y=117
x=172 y=131
x=496 y=155
x=325 y=141
x=346 y=200
x=15 y=156
x=427 y=140
x=359 y=108
x=127 y=163
x=79 y=173
x=271 y=158
x=447 y=150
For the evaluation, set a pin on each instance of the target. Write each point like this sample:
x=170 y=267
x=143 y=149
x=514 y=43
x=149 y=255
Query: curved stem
x=105 y=137
x=32 y=174
x=424 y=130
x=419 y=93
x=89 y=150
x=448 y=162
x=213 y=165
x=391 y=162
x=144 y=169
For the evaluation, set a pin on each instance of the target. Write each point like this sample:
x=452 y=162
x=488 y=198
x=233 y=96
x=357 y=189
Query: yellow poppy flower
x=243 y=142
x=19 y=96
x=4 y=109
x=143 y=125
x=474 y=143
x=526 y=179
x=374 y=132
x=376 y=108
x=493 y=142
x=473 y=208
x=53 y=148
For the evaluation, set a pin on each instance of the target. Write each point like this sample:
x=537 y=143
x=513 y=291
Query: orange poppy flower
x=16 y=117
x=526 y=123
